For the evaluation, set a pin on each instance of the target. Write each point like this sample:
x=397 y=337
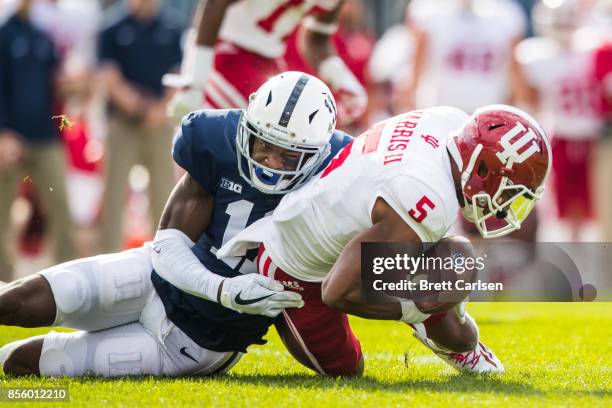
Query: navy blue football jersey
x=205 y=146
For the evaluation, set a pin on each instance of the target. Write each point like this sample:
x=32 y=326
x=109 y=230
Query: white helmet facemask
x=295 y=112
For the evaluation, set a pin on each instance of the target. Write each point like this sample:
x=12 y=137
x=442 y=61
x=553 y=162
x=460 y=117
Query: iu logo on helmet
x=526 y=143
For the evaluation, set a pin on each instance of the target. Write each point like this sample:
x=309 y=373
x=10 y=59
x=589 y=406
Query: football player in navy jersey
x=172 y=307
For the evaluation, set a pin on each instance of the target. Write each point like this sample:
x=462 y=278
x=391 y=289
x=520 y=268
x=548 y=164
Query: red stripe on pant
x=318 y=336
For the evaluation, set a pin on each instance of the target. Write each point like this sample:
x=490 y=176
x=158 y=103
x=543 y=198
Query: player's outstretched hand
x=257 y=294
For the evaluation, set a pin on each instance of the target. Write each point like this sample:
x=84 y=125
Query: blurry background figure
x=7 y=9
x=463 y=57
x=389 y=72
x=239 y=44
x=138 y=45
x=560 y=86
x=28 y=84
x=463 y=52
x=440 y=52
x=353 y=42
x=602 y=20
x=73 y=26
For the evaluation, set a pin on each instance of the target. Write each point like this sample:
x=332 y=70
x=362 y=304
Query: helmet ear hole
x=483 y=170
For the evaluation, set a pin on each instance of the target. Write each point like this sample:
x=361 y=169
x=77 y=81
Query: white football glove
x=184 y=102
x=351 y=96
x=257 y=294
x=197 y=65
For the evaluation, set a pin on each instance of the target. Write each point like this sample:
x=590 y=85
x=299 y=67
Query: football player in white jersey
x=463 y=52
x=241 y=43
x=560 y=85
x=404 y=180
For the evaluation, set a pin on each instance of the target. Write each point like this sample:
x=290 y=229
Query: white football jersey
x=468 y=54
x=262 y=26
x=565 y=81
x=402 y=160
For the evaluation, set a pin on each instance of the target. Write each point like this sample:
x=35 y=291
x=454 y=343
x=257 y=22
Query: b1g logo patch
x=512 y=151
x=230 y=185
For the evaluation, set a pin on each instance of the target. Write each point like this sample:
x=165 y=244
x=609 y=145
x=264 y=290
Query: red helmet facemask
x=505 y=159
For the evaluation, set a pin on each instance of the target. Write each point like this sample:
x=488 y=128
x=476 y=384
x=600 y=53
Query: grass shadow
x=452 y=383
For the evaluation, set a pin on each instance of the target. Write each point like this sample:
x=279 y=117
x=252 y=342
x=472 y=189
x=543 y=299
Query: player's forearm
x=199 y=56
x=521 y=92
x=185 y=218
x=352 y=303
x=420 y=51
x=314 y=37
x=174 y=261
x=342 y=288
x=315 y=47
x=211 y=18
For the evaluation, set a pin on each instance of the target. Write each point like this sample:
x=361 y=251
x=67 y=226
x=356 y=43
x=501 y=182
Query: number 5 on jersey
x=420 y=212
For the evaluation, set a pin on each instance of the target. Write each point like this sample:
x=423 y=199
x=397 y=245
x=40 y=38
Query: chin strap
x=453 y=150
x=467 y=173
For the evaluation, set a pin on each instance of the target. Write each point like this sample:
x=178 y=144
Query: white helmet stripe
x=292 y=101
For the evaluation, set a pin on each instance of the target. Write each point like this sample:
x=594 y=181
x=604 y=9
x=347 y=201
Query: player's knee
x=108 y=285
x=121 y=351
x=329 y=299
x=129 y=353
x=17 y=300
x=353 y=369
x=72 y=294
x=24 y=360
x=10 y=304
x=63 y=354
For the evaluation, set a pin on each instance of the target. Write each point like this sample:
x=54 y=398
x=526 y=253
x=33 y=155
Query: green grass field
x=554 y=354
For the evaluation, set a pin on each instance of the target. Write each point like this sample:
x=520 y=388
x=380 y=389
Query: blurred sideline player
x=174 y=308
x=353 y=43
x=559 y=83
x=404 y=180
x=240 y=44
x=463 y=52
x=603 y=64
x=463 y=57
x=73 y=27
x=603 y=76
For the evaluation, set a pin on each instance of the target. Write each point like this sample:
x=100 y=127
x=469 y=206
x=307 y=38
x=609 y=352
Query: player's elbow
x=334 y=298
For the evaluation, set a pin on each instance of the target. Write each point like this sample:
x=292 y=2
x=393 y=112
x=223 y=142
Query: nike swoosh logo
x=240 y=301
x=157 y=250
x=184 y=352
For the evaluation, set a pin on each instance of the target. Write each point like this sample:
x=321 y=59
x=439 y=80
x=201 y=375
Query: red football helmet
x=505 y=158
